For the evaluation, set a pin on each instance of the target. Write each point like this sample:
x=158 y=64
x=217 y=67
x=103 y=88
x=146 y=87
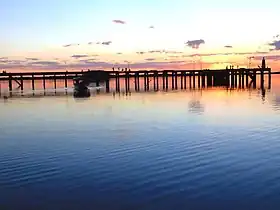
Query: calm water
x=210 y=149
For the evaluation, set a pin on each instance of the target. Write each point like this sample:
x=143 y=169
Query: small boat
x=81 y=90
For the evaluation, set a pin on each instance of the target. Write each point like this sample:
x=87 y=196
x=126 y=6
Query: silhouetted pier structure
x=231 y=78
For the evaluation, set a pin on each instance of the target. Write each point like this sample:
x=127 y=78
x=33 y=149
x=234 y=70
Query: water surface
x=200 y=149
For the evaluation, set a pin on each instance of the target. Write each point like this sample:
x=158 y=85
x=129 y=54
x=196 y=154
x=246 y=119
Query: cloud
x=173 y=56
x=3 y=58
x=151 y=27
x=155 y=51
x=11 y=66
x=177 y=61
x=173 y=52
x=34 y=65
x=79 y=56
x=88 y=61
x=195 y=43
x=32 y=59
x=70 y=45
x=45 y=63
x=90 y=43
x=261 y=52
x=104 y=43
x=119 y=21
x=228 y=46
x=275 y=44
x=161 y=51
x=11 y=62
x=119 y=53
x=150 y=59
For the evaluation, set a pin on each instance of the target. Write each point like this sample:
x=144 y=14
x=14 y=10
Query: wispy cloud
x=151 y=27
x=32 y=59
x=161 y=52
x=195 y=44
x=119 y=53
x=88 y=61
x=173 y=52
x=11 y=61
x=90 y=43
x=79 y=56
x=150 y=59
x=45 y=63
x=174 y=56
x=104 y=43
x=228 y=46
x=155 y=51
x=119 y=21
x=71 y=45
x=11 y=66
x=140 y=53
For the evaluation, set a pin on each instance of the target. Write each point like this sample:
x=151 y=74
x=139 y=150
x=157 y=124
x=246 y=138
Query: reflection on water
x=196 y=107
x=199 y=149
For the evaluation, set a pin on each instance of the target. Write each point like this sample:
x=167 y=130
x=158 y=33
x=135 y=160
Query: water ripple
x=140 y=156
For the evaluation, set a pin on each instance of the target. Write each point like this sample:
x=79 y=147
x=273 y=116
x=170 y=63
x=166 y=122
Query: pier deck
x=201 y=78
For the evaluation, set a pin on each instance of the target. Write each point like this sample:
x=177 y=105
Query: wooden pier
x=231 y=78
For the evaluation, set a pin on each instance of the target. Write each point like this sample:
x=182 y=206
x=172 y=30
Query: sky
x=140 y=34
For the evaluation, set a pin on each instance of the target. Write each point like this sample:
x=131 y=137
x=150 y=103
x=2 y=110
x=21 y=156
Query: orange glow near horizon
x=171 y=59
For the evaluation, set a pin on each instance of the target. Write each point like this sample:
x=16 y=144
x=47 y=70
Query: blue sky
x=41 y=28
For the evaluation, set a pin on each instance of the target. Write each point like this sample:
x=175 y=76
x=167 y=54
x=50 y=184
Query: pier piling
x=33 y=82
x=54 y=80
x=66 y=80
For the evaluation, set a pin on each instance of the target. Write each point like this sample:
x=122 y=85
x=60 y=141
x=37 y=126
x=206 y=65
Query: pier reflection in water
x=213 y=148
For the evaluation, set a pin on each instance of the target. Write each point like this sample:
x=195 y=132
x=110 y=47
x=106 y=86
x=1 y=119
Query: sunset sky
x=147 y=34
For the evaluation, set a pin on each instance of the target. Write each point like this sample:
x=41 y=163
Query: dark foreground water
x=210 y=149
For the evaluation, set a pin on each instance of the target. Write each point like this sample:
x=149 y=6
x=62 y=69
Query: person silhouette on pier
x=263 y=63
